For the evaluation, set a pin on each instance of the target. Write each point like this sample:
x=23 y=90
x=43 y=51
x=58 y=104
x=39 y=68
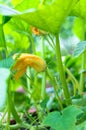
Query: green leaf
x=2 y=39
x=44 y=102
x=82 y=126
x=19 y=29
x=80 y=48
x=4 y=74
x=66 y=121
x=27 y=4
x=79 y=9
x=6 y=63
x=5 y=19
x=78 y=27
x=49 y=17
x=15 y=2
x=52 y=120
x=19 y=26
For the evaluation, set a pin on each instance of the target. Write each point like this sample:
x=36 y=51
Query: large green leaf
x=14 y=30
x=48 y=17
x=80 y=48
x=4 y=74
x=66 y=121
x=80 y=9
x=27 y=4
x=15 y=2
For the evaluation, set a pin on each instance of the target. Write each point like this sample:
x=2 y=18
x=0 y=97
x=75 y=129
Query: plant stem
x=73 y=79
x=2 y=42
x=23 y=125
x=52 y=39
x=2 y=37
x=29 y=72
x=82 y=80
x=3 y=116
x=43 y=89
x=49 y=42
x=55 y=88
x=82 y=83
x=8 y=108
x=33 y=45
x=61 y=72
x=11 y=106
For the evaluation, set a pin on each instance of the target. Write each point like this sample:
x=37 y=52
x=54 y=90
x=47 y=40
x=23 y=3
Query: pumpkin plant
x=22 y=25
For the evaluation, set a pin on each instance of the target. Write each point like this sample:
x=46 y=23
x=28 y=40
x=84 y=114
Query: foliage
x=80 y=48
x=36 y=16
x=57 y=121
x=48 y=36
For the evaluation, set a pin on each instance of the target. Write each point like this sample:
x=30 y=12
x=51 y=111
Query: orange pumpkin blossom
x=24 y=60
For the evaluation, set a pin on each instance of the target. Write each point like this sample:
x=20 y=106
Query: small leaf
x=6 y=63
x=66 y=121
x=52 y=120
x=69 y=117
x=80 y=48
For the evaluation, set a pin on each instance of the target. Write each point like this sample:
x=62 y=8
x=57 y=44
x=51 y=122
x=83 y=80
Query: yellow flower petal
x=19 y=64
x=24 y=60
x=19 y=73
x=37 y=63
